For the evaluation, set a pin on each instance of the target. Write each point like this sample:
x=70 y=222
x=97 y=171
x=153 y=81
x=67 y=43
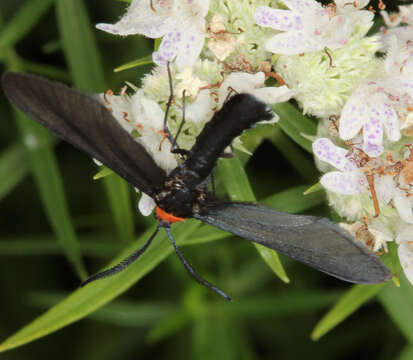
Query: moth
x=83 y=121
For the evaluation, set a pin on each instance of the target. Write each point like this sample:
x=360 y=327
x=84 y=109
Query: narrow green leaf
x=120 y=313
x=169 y=326
x=84 y=301
x=406 y=354
x=398 y=302
x=349 y=303
x=14 y=166
x=221 y=333
x=79 y=45
x=45 y=170
x=91 y=245
x=314 y=188
x=295 y=124
x=120 y=202
x=82 y=55
x=139 y=62
x=300 y=160
x=25 y=19
x=102 y=173
x=238 y=187
x=285 y=305
x=45 y=70
x=294 y=201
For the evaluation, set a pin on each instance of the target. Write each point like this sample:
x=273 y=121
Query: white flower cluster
x=323 y=58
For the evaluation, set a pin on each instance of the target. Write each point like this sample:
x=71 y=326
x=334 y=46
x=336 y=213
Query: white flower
x=146 y=204
x=143 y=118
x=370 y=109
x=405 y=15
x=349 y=180
x=405 y=250
x=308 y=26
x=206 y=103
x=189 y=83
x=181 y=23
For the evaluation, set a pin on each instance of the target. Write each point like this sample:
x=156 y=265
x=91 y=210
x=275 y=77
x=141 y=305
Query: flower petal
x=140 y=19
x=405 y=252
x=273 y=95
x=403 y=206
x=203 y=6
x=390 y=121
x=301 y=6
x=343 y=183
x=373 y=133
x=352 y=116
x=278 y=19
x=201 y=109
x=336 y=156
x=184 y=45
x=292 y=43
x=146 y=205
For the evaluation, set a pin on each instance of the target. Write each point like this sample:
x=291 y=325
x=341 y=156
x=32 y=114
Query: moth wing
x=84 y=122
x=314 y=241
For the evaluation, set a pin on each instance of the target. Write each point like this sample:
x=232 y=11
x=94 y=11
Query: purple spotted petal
x=190 y=46
x=336 y=156
x=343 y=183
x=278 y=19
x=373 y=133
x=390 y=121
x=292 y=43
x=352 y=117
x=301 y=6
x=168 y=49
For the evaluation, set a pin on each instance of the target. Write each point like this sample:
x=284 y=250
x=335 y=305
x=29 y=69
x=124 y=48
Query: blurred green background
x=56 y=221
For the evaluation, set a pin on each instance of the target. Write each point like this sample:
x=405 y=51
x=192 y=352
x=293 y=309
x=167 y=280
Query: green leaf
x=295 y=124
x=45 y=170
x=102 y=173
x=406 y=354
x=349 y=303
x=82 y=55
x=94 y=245
x=119 y=313
x=26 y=18
x=84 y=301
x=314 y=188
x=238 y=187
x=285 y=305
x=79 y=45
x=139 y=62
x=294 y=201
x=301 y=161
x=398 y=302
x=45 y=70
x=14 y=166
x=120 y=202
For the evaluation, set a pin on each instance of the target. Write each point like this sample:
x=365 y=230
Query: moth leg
x=123 y=264
x=191 y=271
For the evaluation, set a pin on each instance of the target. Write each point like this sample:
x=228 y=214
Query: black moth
x=84 y=122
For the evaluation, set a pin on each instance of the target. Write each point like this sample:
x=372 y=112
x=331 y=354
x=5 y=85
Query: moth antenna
x=123 y=264
x=191 y=271
x=181 y=125
x=169 y=103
